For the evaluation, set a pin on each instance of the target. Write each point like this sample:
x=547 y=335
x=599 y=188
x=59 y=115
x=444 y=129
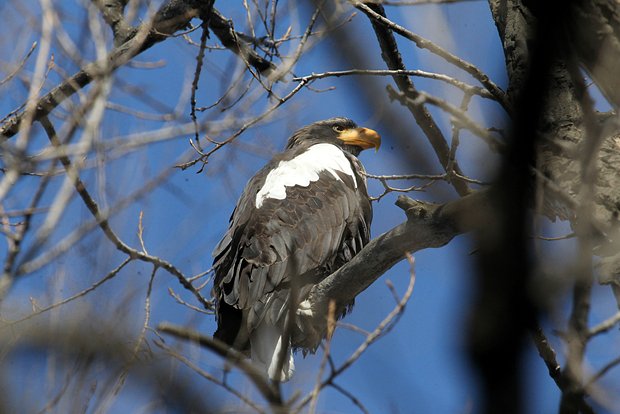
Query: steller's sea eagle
x=301 y=217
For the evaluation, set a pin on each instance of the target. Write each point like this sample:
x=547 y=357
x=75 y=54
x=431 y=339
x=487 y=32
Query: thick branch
x=428 y=225
x=112 y=11
x=224 y=30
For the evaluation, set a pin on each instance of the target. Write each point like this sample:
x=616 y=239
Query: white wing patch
x=303 y=170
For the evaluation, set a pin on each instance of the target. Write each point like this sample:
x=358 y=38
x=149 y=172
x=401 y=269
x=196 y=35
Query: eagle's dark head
x=338 y=131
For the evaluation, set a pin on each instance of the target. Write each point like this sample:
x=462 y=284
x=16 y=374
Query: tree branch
x=112 y=12
x=428 y=225
x=595 y=35
x=224 y=30
x=269 y=390
x=377 y=14
x=104 y=224
x=171 y=16
x=424 y=119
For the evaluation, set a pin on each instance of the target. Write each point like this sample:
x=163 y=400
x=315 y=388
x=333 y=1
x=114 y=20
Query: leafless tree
x=110 y=106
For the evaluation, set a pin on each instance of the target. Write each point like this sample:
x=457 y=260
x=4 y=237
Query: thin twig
x=469 y=89
x=180 y=301
x=199 y=61
x=423 y=43
x=570 y=235
x=141 y=232
x=20 y=66
x=81 y=293
x=208 y=376
x=604 y=326
x=350 y=396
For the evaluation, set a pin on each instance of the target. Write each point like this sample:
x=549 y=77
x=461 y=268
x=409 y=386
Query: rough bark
x=427 y=226
x=577 y=158
x=593 y=30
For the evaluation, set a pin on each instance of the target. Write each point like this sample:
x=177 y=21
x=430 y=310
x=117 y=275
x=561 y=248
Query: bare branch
x=605 y=326
x=468 y=89
x=20 y=66
x=428 y=225
x=378 y=15
x=171 y=16
x=424 y=119
x=548 y=356
x=269 y=390
x=103 y=223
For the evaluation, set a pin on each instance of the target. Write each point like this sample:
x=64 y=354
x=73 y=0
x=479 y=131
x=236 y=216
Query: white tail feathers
x=266 y=344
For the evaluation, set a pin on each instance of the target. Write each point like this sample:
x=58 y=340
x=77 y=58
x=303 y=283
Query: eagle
x=300 y=218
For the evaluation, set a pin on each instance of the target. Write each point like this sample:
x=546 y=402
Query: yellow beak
x=361 y=137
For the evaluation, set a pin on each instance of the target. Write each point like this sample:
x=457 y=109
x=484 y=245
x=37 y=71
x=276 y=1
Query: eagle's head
x=341 y=132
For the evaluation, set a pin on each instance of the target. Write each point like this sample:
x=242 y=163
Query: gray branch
x=428 y=225
x=172 y=16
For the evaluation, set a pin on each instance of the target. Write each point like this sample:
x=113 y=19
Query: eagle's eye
x=338 y=128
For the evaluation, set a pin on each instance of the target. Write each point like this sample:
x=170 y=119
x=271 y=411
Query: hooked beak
x=362 y=137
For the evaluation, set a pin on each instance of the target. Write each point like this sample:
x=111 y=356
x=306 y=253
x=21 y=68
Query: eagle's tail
x=266 y=345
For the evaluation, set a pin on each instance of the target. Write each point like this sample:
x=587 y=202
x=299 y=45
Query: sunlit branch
x=442 y=177
x=434 y=48
x=470 y=89
x=605 y=326
x=370 y=339
x=103 y=223
x=393 y=60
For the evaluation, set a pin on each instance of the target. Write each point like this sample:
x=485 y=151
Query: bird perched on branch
x=300 y=218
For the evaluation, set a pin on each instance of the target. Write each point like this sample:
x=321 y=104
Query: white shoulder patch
x=303 y=170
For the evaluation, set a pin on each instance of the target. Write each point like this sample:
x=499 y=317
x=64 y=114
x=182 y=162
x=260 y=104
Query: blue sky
x=418 y=367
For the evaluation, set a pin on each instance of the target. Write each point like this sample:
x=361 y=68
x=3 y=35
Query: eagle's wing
x=295 y=223
x=310 y=232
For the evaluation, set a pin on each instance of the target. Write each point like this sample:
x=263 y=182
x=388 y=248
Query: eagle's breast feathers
x=303 y=170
